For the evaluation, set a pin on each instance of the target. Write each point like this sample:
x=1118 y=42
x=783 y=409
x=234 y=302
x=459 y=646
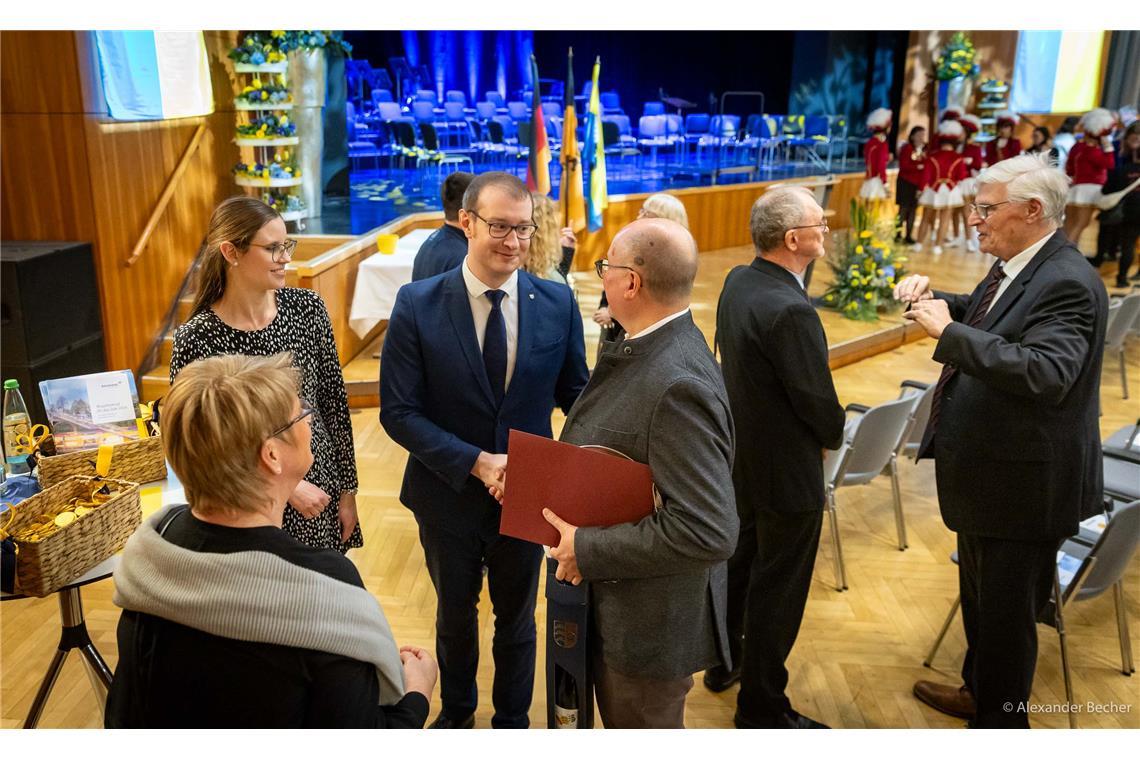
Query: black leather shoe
x=718 y=679
x=445 y=722
x=790 y=719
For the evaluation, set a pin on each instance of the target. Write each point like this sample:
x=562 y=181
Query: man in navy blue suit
x=470 y=354
x=445 y=248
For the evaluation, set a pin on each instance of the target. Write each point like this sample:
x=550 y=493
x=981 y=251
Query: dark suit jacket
x=443 y=251
x=1017 y=450
x=436 y=401
x=774 y=356
x=659 y=586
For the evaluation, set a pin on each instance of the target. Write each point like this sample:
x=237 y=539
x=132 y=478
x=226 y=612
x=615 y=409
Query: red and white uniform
x=994 y=154
x=876 y=155
x=945 y=168
x=912 y=165
x=1088 y=165
x=975 y=158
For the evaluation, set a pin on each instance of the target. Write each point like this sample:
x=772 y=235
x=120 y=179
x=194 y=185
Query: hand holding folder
x=585 y=487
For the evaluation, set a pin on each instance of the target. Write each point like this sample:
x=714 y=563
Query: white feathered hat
x=970 y=123
x=1098 y=122
x=1007 y=117
x=950 y=131
x=879 y=120
x=950 y=113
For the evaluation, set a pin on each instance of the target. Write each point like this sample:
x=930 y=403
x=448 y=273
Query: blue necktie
x=495 y=346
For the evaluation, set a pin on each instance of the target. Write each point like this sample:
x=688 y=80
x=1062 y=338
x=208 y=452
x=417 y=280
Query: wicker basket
x=44 y=566
x=138 y=461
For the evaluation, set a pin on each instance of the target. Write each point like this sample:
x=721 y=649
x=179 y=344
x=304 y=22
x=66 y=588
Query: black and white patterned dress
x=302 y=327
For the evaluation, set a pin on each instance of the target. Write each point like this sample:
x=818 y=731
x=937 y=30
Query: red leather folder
x=583 y=486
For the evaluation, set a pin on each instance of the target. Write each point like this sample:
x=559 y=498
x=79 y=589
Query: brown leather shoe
x=958 y=702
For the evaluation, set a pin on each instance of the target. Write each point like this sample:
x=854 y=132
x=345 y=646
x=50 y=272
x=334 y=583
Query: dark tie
x=993 y=281
x=495 y=346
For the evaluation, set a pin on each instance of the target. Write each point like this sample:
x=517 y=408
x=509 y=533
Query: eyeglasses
x=306 y=410
x=601 y=265
x=983 y=210
x=810 y=227
x=500 y=230
x=280 y=252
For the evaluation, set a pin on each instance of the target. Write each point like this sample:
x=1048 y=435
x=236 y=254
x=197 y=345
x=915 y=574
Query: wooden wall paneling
x=46 y=188
x=336 y=286
x=39 y=73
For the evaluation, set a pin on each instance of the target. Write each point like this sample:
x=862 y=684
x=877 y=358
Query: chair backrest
x=405 y=134
x=587 y=88
x=697 y=123
x=389 y=111
x=422 y=110
x=495 y=131
x=621 y=121
x=674 y=124
x=454 y=110
x=611 y=134
x=427 y=96
x=553 y=127
x=876 y=437
x=524 y=133
x=496 y=97
x=1113 y=551
x=653 y=108
x=610 y=100
x=793 y=125
x=551 y=108
x=380 y=79
x=724 y=126
x=455 y=96
x=382 y=96
x=485 y=109
x=428 y=133
x=919 y=418
x=649 y=127
x=817 y=126
x=1121 y=317
x=517 y=109
x=506 y=123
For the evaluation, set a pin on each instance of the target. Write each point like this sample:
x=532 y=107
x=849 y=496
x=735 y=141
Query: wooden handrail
x=167 y=194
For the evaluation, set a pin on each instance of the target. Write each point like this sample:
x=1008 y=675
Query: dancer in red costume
x=1088 y=165
x=945 y=168
x=876 y=155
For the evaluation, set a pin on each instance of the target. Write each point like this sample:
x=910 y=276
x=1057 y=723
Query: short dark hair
x=914 y=131
x=508 y=183
x=451 y=193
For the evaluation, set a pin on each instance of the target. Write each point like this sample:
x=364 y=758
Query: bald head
x=665 y=255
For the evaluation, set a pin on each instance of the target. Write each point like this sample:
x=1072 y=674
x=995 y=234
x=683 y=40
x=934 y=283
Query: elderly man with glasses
x=774 y=355
x=1013 y=427
x=469 y=355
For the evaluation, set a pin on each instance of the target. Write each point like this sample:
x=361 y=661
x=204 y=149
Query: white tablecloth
x=379 y=277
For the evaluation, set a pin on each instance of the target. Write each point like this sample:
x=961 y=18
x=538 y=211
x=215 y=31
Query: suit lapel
x=1015 y=289
x=459 y=310
x=526 y=335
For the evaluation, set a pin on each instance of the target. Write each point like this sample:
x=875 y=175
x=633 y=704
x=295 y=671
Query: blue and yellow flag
x=595 y=154
x=570 y=195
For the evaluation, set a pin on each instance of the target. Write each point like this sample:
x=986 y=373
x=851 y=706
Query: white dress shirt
x=1014 y=266
x=481 y=312
x=658 y=324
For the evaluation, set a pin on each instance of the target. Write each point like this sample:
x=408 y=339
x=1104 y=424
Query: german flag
x=538 y=162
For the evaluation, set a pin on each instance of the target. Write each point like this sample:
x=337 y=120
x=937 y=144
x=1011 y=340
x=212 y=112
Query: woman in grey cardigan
x=227 y=620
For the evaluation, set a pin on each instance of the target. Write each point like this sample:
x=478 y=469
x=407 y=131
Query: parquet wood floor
x=858 y=652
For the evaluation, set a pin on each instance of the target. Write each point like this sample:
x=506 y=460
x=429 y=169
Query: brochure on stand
x=88 y=411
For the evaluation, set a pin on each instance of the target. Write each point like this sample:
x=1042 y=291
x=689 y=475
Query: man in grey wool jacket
x=658 y=590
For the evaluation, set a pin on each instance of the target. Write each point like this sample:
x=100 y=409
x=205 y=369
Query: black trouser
x=906 y=194
x=1004 y=585
x=455 y=562
x=769 y=576
x=1129 y=233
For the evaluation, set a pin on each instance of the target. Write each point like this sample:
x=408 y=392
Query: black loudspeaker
x=51 y=324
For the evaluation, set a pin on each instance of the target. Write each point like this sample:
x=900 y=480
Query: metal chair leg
x=942 y=634
x=1123 y=373
x=1126 y=666
x=900 y=521
x=840 y=571
x=1059 y=617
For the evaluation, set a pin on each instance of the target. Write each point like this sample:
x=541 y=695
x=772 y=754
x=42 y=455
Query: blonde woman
x=243 y=307
x=228 y=622
x=552 y=244
x=656 y=206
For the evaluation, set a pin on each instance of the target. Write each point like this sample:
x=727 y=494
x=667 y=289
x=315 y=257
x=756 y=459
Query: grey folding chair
x=870 y=449
x=1122 y=464
x=1121 y=318
x=1101 y=568
x=918 y=419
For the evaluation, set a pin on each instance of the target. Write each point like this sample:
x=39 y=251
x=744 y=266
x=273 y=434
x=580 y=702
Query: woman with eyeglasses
x=243 y=307
x=227 y=621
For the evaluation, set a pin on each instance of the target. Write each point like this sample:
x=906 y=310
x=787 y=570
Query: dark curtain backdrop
x=1122 y=77
x=800 y=72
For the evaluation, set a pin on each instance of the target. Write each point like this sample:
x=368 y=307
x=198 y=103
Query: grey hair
x=774 y=213
x=1031 y=177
